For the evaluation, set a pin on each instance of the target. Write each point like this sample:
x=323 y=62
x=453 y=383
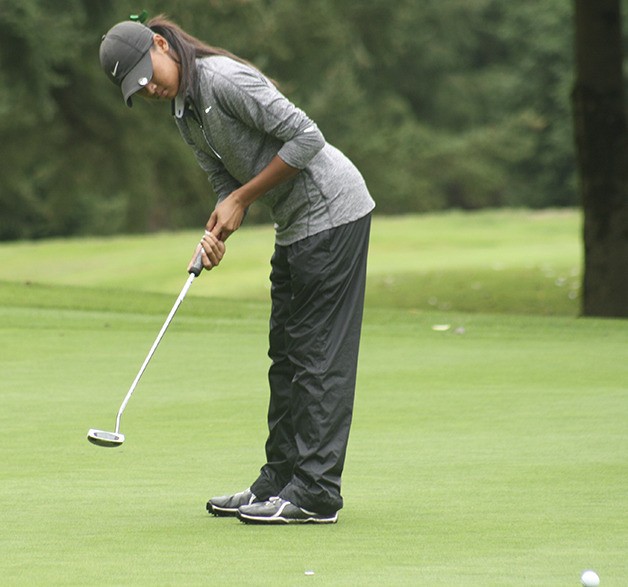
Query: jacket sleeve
x=247 y=95
x=222 y=182
x=219 y=178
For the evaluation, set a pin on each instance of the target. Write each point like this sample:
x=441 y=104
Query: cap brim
x=143 y=70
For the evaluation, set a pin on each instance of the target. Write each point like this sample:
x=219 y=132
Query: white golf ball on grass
x=590 y=579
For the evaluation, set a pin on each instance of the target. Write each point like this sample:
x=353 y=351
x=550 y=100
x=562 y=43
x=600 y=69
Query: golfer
x=255 y=145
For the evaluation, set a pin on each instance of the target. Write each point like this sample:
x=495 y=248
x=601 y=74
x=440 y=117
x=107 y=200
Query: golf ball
x=590 y=579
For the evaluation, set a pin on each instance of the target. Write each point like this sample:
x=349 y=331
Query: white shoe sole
x=311 y=519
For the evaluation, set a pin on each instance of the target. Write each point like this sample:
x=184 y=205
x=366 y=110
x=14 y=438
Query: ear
x=160 y=43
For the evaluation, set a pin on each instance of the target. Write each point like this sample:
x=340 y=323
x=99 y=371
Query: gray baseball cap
x=125 y=57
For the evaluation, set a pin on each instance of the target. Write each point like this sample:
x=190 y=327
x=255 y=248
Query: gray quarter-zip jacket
x=236 y=121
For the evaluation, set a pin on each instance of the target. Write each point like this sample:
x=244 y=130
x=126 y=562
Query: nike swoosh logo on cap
x=113 y=73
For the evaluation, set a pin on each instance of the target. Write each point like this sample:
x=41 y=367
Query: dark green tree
x=441 y=103
x=75 y=159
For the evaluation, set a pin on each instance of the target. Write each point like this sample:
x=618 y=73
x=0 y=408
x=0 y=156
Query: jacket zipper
x=199 y=121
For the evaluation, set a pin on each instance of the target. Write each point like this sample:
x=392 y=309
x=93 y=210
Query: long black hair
x=187 y=49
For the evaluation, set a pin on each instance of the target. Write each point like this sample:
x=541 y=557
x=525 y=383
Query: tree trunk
x=599 y=112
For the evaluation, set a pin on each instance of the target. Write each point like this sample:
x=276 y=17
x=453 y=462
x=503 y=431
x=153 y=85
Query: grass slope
x=493 y=453
x=497 y=261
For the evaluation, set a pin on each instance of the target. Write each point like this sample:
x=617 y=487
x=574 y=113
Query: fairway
x=495 y=261
x=492 y=453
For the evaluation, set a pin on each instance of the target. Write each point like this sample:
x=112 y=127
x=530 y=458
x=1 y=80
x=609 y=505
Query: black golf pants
x=317 y=290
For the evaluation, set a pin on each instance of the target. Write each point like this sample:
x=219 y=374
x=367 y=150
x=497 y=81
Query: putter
x=115 y=439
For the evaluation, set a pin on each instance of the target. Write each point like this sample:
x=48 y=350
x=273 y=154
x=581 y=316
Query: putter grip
x=197 y=266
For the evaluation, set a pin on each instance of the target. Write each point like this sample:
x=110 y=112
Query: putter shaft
x=177 y=303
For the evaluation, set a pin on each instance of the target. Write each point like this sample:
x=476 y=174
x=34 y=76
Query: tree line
x=440 y=103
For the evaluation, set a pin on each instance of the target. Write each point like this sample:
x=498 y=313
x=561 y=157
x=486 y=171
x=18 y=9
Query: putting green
x=491 y=453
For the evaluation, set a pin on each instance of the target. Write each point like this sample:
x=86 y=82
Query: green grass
x=493 y=453
x=498 y=261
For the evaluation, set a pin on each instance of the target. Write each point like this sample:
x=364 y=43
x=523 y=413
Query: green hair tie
x=141 y=17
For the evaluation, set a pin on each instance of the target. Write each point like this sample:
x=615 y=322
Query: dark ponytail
x=187 y=49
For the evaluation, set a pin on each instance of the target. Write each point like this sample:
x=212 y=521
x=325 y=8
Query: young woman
x=255 y=145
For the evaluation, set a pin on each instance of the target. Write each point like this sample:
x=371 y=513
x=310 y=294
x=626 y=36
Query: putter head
x=107 y=439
